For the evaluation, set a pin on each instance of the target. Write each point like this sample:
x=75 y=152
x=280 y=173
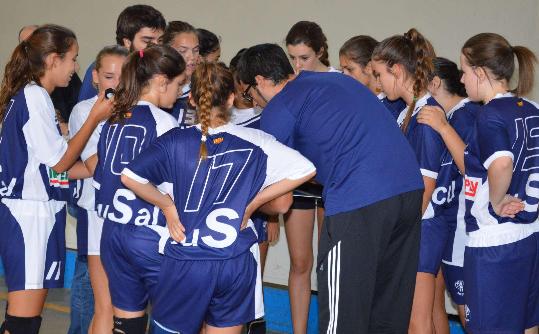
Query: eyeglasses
x=246 y=96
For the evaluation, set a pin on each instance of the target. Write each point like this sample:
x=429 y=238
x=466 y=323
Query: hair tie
x=204 y=138
x=141 y=53
x=415 y=99
x=24 y=45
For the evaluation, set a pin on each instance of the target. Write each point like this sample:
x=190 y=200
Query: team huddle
x=420 y=176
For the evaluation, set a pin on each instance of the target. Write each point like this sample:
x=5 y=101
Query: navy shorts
x=502 y=287
x=131 y=258
x=32 y=243
x=454 y=282
x=220 y=293
x=434 y=234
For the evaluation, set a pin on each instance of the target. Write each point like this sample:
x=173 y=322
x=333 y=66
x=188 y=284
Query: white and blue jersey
x=211 y=194
x=118 y=145
x=30 y=145
x=184 y=115
x=84 y=193
x=505 y=127
x=426 y=143
x=250 y=118
x=340 y=126
x=89 y=224
x=448 y=197
x=32 y=195
x=246 y=117
x=395 y=107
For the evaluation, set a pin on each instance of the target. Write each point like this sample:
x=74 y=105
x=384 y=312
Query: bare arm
x=151 y=194
x=280 y=205
x=430 y=184
x=271 y=192
x=435 y=118
x=500 y=173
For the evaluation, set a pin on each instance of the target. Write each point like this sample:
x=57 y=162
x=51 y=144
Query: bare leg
x=224 y=330
x=439 y=314
x=102 y=320
x=422 y=307
x=462 y=315
x=26 y=303
x=299 y=226
x=320 y=219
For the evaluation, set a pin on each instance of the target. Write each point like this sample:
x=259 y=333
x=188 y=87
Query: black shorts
x=367 y=263
x=308 y=196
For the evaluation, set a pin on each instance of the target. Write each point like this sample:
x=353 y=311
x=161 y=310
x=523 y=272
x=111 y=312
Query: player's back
x=505 y=127
x=119 y=144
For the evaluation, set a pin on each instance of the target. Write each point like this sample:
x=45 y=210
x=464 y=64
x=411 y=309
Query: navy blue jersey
x=87 y=90
x=251 y=118
x=395 y=107
x=211 y=194
x=505 y=127
x=426 y=143
x=181 y=111
x=445 y=197
x=30 y=145
x=119 y=144
x=337 y=123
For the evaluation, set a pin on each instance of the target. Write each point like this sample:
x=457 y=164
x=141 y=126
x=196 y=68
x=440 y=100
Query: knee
x=21 y=325
x=301 y=266
x=130 y=325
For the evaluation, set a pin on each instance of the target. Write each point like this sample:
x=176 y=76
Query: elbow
x=283 y=203
x=125 y=180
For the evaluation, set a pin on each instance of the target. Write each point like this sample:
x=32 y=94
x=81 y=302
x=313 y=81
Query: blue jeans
x=82 y=298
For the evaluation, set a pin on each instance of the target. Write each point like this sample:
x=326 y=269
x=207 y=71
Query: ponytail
x=27 y=62
x=211 y=86
x=526 y=70
x=494 y=52
x=415 y=53
x=138 y=70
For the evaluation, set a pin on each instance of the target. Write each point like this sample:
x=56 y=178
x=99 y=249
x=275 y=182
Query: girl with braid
x=132 y=227
x=208 y=179
x=404 y=64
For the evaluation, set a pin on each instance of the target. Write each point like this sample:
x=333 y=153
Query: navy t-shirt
x=360 y=154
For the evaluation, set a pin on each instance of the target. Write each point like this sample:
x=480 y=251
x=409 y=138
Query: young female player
x=210 y=45
x=216 y=175
x=34 y=164
x=501 y=192
x=183 y=38
x=355 y=60
x=447 y=203
x=308 y=50
x=403 y=64
x=130 y=237
x=106 y=74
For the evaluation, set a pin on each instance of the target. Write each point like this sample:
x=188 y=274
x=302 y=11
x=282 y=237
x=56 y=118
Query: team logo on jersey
x=459 y=285
x=520 y=103
x=467 y=313
x=471 y=185
x=218 y=140
x=58 y=180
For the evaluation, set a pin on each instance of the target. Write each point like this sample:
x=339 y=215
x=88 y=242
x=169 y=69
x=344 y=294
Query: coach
x=369 y=243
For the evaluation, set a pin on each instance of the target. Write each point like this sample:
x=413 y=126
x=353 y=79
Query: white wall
x=242 y=23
